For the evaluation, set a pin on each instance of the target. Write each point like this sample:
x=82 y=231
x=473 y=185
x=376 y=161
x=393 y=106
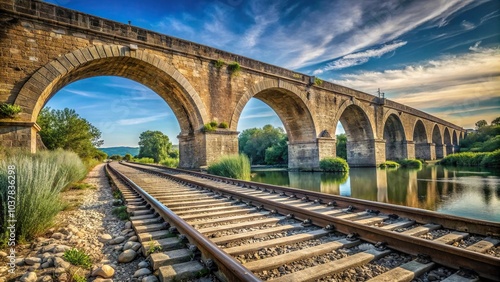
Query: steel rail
x=486 y=266
x=463 y=224
x=230 y=267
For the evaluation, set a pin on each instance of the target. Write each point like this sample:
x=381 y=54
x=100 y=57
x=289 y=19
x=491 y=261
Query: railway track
x=191 y=224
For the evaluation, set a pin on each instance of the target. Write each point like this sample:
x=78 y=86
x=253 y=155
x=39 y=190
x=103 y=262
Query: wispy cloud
x=259 y=115
x=451 y=81
x=359 y=58
x=133 y=121
x=489 y=16
x=467 y=25
x=88 y=94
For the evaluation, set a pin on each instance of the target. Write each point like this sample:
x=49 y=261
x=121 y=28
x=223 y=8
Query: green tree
x=496 y=121
x=67 y=130
x=155 y=145
x=341 y=144
x=277 y=153
x=255 y=141
x=481 y=123
x=127 y=157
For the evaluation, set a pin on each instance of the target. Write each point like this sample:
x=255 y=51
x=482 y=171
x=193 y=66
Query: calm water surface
x=468 y=192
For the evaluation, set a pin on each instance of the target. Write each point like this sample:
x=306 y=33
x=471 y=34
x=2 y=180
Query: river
x=468 y=192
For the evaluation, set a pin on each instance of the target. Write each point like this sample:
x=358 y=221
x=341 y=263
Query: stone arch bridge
x=44 y=47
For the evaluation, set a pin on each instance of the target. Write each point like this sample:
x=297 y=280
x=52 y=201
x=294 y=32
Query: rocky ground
x=90 y=227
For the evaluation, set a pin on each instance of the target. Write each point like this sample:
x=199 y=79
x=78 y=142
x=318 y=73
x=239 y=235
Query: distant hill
x=122 y=151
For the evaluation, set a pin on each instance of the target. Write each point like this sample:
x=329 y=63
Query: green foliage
x=481 y=123
x=234 y=166
x=389 y=164
x=78 y=258
x=8 y=110
x=254 y=142
x=486 y=139
x=79 y=278
x=491 y=159
x=120 y=212
x=341 y=144
x=219 y=63
x=464 y=159
x=154 y=144
x=411 y=163
x=277 y=153
x=65 y=129
x=318 y=81
x=116 y=157
x=145 y=160
x=82 y=186
x=496 y=121
x=208 y=128
x=40 y=179
x=174 y=154
x=170 y=162
x=234 y=68
x=153 y=248
x=223 y=125
x=128 y=157
x=334 y=164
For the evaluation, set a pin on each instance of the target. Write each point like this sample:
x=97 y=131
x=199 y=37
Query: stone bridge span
x=44 y=47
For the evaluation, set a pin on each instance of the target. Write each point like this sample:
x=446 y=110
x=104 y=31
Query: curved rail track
x=246 y=231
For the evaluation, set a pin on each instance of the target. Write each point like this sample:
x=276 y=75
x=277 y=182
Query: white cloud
x=489 y=16
x=259 y=115
x=87 y=94
x=359 y=58
x=133 y=121
x=467 y=25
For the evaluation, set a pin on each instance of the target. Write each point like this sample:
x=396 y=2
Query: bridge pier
x=450 y=149
x=19 y=135
x=366 y=153
x=306 y=155
x=440 y=151
x=425 y=151
x=203 y=148
x=410 y=150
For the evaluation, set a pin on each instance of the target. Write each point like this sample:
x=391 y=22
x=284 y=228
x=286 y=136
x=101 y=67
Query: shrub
x=234 y=166
x=219 y=63
x=463 y=159
x=120 y=212
x=8 y=110
x=78 y=258
x=44 y=175
x=410 y=163
x=223 y=125
x=491 y=159
x=389 y=164
x=234 y=68
x=127 y=157
x=170 y=162
x=334 y=164
x=208 y=128
x=318 y=81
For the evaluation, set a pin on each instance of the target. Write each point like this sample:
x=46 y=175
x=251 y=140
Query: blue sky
x=442 y=57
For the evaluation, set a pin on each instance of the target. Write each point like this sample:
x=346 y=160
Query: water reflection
x=465 y=192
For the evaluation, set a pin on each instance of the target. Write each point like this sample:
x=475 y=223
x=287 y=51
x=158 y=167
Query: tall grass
x=39 y=180
x=145 y=160
x=487 y=159
x=234 y=166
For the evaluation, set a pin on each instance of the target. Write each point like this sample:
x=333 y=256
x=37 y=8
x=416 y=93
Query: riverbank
x=88 y=226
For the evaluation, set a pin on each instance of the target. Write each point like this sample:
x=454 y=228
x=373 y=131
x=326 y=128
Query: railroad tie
x=404 y=273
x=483 y=245
x=336 y=266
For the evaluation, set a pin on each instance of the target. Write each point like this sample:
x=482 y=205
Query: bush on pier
x=334 y=165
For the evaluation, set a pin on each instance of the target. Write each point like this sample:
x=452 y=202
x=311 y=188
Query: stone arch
x=448 y=146
x=422 y=148
x=361 y=147
x=289 y=103
x=395 y=138
x=140 y=66
x=437 y=139
x=455 y=139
